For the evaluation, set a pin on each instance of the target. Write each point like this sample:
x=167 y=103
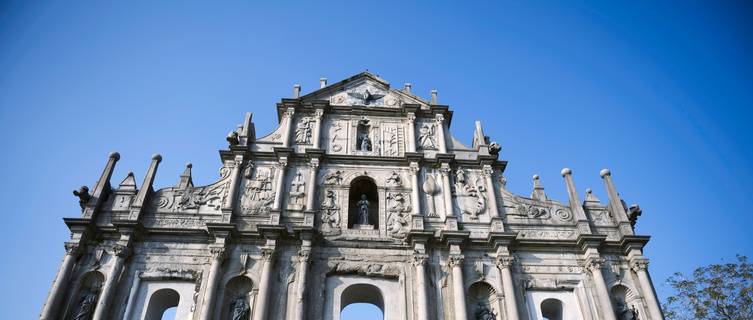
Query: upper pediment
x=364 y=89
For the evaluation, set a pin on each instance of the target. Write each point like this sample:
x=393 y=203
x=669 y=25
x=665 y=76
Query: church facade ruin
x=361 y=195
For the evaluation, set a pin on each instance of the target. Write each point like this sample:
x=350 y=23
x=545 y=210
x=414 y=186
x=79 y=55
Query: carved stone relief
x=338 y=137
x=470 y=194
x=398 y=212
x=330 y=213
x=297 y=193
x=303 y=130
x=426 y=137
x=258 y=194
x=210 y=197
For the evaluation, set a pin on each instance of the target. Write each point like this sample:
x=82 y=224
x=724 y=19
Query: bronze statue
x=86 y=306
x=239 y=308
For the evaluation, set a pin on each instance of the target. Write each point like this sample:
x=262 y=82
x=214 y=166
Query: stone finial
x=538 y=189
x=322 y=82
x=566 y=171
x=296 y=91
x=605 y=172
x=128 y=183
x=590 y=197
x=407 y=87
x=434 y=98
x=114 y=155
x=157 y=157
x=186 y=180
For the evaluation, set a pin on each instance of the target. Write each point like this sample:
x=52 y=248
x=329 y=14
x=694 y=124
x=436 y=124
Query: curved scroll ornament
x=564 y=215
x=211 y=197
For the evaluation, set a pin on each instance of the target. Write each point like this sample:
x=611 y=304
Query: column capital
x=445 y=169
x=121 y=250
x=73 y=249
x=318 y=113
x=314 y=163
x=282 y=162
x=303 y=256
x=439 y=118
x=266 y=254
x=505 y=262
x=456 y=260
x=218 y=253
x=639 y=264
x=487 y=171
x=289 y=112
x=420 y=260
x=593 y=264
x=411 y=116
x=414 y=167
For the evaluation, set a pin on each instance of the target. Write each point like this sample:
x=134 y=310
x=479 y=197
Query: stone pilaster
x=287 y=122
x=504 y=264
x=120 y=253
x=279 y=182
x=640 y=267
x=317 y=128
x=444 y=170
x=594 y=265
x=262 y=304
x=416 y=208
x=442 y=143
x=411 y=131
x=422 y=301
x=311 y=195
x=218 y=255
x=455 y=262
x=60 y=285
x=487 y=172
x=303 y=265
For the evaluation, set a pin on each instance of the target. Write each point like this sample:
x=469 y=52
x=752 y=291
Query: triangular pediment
x=364 y=89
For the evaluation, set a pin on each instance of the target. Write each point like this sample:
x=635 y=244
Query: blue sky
x=660 y=93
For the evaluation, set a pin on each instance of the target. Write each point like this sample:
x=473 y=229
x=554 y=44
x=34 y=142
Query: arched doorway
x=361 y=302
x=363 y=188
x=160 y=301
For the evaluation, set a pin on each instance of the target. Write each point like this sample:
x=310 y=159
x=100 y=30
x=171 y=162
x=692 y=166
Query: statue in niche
x=363 y=210
x=330 y=212
x=297 y=192
x=426 y=138
x=86 y=306
x=303 y=131
x=397 y=223
x=394 y=179
x=334 y=178
x=625 y=313
x=258 y=196
x=239 y=309
x=484 y=313
x=363 y=142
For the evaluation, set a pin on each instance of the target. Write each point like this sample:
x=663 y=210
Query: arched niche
x=87 y=295
x=483 y=302
x=362 y=293
x=363 y=188
x=552 y=309
x=159 y=302
x=625 y=303
x=238 y=299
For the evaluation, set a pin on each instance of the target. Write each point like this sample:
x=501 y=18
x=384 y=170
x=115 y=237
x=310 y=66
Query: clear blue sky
x=661 y=93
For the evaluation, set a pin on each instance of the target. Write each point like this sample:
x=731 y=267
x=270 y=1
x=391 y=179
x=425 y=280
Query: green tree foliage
x=717 y=291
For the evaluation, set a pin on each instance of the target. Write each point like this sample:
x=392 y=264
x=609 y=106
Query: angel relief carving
x=398 y=210
x=258 y=194
x=330 y=213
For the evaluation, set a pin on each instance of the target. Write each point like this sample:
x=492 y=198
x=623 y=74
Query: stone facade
x=360 y=195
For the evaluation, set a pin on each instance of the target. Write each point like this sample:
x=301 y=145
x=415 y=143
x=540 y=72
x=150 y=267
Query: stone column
x=228 y=206
x=218 y=255
x=411 y=132
x=317 y=128
x=310 y=196
x=445 y=171
x=440 y=133
x=120 y=254
x=416 y=208
x=593 y=265
x=504 y=264
x=639 y=266
x=287 y=121
x=490 y=194
x=279 y=177
x=132 y=296
x=260 y=311
x=458 y=287
x=60 y=285
x=303 y=264
x=422 y=302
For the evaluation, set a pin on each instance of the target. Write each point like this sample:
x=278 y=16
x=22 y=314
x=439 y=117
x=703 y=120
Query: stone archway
x=385 y=293
x=160 y=301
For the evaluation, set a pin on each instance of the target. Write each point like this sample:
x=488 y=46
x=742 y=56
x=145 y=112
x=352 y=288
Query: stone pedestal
x=363 y=227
